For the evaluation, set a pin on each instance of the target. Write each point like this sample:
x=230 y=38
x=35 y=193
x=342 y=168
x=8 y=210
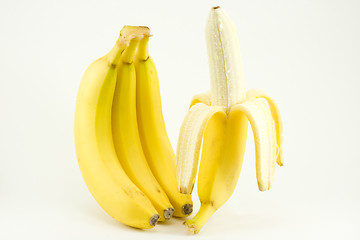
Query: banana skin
x=154 y=139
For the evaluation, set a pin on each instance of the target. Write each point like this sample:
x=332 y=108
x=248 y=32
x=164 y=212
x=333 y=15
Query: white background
x=305 y=54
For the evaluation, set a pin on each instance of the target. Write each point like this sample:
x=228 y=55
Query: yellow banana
x=220 y=118
x=153 y=135
x=99 y=165
x=126 y=136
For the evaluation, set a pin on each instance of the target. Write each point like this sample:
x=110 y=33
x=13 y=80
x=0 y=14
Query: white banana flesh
x=221 y=118
x=224 y=60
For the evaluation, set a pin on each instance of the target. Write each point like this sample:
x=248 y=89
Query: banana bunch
x=220 y=119
x=122 y=147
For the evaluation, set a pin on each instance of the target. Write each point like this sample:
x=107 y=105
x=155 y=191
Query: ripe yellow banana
x=220 y=118
x=99 y=165
x=126 y=136
x=153 y=135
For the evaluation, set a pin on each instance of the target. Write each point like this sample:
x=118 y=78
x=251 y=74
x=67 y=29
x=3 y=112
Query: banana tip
x=154 y=219
x=168 y=213
x=187 y=209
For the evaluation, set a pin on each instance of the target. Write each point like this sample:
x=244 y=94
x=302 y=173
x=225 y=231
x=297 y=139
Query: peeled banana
x=220 y=119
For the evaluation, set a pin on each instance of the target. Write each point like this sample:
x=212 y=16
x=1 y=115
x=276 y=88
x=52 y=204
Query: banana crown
x=129 y=35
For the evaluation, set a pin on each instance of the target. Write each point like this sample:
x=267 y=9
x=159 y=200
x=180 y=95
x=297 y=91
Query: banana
x=155 y=142
x=98 y=162
x=220 y=119
x=126 y=136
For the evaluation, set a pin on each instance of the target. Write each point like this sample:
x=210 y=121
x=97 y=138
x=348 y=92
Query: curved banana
x=126 y=136
x=153 y=135
x=224 y=132
x=99 y=165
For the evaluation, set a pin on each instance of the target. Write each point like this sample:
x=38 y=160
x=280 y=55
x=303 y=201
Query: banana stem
x=196 y=223
x=114 y=55
x=143 y=50
x=129 y=53
x=129 y=38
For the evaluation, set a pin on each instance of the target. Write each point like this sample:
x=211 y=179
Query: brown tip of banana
x=154 y=219
x=168 y=213
x=187 y=209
